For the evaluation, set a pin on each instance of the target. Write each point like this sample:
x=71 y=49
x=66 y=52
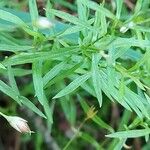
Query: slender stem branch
x=75 y=135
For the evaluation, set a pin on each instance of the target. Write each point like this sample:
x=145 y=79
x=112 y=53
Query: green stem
x=75 y=135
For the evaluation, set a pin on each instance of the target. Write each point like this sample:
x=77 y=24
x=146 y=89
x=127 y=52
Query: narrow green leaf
x=97 y=21
x=14 y=48
x=132 y=104
x=31 y=106
x=147 y=98
x=8 y=39
x=9 y=91
x=53 y=72
x=39 y=91
x=130 y=98
x=33 y=10
x=137 y=101
x=33 y=13
x=12 y=80
x=83 y=12
x=73 y=85
x=123 y=42
x=103 y=24
x=17 y=72
x=34 y=33
x=63 y=74
x=23 y=58
x=122 y=88
x=19 y=99
x=11 y=18
x=71 y=30
x=72 y=19
x=49 y=6
x=99 y=8
x=95 y=77
x=47 y=110
x=130 y=133
x=119 y=8
x=128 y=74
x=138 y=6
x=37 y=80
x=111 y=92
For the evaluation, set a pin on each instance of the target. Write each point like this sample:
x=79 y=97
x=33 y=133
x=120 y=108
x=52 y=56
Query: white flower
x=125 y=28
x=44 y=23
x=19 y=124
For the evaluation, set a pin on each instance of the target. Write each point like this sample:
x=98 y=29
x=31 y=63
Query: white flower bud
x=44 y=23
x=123 y=29
x=19 y=124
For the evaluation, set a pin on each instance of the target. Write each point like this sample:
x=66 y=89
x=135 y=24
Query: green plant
x=98 y=54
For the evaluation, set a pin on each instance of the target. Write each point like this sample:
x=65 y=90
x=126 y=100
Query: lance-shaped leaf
x=73 y=85
x=130 y=133
x=95 y=78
